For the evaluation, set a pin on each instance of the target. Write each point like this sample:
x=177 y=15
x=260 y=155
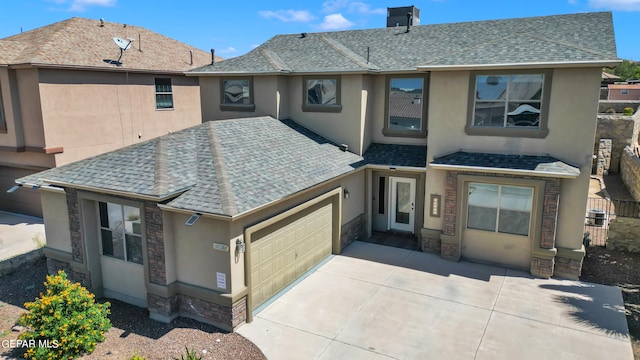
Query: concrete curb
x=9 y=265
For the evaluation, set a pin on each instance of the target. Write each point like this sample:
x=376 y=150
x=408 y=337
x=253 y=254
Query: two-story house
x=476 y=137
x=68 y=91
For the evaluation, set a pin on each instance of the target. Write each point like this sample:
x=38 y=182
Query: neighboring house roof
x=86 y=43
x=224 y=167
x=537 y=165
x=607 y=76
x=624 y=86
x=562 y=39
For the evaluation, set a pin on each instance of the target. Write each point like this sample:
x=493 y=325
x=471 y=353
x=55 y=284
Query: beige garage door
x=23 y=200
x=282 y=252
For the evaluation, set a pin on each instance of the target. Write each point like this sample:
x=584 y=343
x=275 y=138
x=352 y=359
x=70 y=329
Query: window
x=120 y=231
x=321 y=94
x=406 y=106
x=499 y=208
x=237 y=94
x=164 y=94
x=624 y=92
x=512 y=104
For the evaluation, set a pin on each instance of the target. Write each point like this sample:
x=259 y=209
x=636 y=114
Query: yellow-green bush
x=64 y=322
x=627 y=111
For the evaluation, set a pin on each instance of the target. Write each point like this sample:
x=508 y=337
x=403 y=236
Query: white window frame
x=169 y=93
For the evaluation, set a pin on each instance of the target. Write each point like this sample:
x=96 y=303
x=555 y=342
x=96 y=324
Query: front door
x=402 y=204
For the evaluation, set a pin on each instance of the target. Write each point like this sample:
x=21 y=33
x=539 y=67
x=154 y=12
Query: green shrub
x=191 y=355
x=627 y=111
x=66 y=318
x=137 y=357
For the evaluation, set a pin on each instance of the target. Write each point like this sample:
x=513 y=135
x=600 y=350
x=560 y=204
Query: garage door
x=23 y=200
x=283 y=251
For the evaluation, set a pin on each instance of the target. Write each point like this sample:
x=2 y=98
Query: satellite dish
x=122 y=44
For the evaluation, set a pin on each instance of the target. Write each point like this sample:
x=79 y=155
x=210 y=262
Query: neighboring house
x=64 y=96
x=472 y=136
x=623 y=92
x=608 y=78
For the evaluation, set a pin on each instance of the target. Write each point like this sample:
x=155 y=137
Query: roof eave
x=529 y=65
x=550 y=174
x=283 y=72
x=158 y=198
x=92 y=68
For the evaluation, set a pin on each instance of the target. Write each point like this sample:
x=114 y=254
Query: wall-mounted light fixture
x=240 y=246
x=434 y=208
x=192 y=220
x=346 y=194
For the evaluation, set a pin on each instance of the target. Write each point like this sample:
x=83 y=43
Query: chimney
x=403 y=16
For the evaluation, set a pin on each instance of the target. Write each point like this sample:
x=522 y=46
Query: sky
x=233 y=28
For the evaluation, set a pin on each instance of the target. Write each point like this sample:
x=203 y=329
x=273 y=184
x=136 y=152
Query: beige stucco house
x=68 y=93
x=475 y=137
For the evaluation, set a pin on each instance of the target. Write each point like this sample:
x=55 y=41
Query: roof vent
x=344 y=147
x=303 y=35
x=398 y=16
x=101 y=22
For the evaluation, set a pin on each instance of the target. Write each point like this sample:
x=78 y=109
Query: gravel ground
x=621 y=269
x=133 y=333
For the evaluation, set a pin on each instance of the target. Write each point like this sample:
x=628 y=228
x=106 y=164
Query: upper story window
x=3 y=123
x=500 y=102
x=164 y=94
x=321 y=94
x=406 y=106
x=120 y=232
x=237 y=94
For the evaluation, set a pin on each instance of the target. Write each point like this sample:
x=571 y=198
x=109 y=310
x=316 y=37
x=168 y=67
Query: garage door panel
x=288 y=249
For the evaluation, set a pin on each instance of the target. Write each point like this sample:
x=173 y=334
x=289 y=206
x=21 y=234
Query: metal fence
x=600 y=211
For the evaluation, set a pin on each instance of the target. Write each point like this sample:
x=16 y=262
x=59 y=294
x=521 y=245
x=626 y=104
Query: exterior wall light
x=346 y=194
x=434 y=207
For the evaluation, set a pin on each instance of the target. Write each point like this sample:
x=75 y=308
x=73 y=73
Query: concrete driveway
x=378 y=302
x=19 y=234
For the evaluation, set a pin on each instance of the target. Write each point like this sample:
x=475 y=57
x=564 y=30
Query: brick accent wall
x=570 y=268
x=352 y=231
x=54 y=265
x=431 y=244
x=450 y=203
x=155 y=243
x=541 y=267
x=450 y=251
x=550 y=213
x=73 y=206
x=202 y=310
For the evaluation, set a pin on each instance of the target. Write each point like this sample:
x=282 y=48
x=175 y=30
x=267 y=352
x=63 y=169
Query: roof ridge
x=274 y=60
x=348 y=53
x=161 y=167
x=222 y=175
x=566 y=44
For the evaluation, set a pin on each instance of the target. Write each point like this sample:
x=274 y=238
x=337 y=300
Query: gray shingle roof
x=586 y=37
x=222 y=167
x=85 y=43
x=396 y=155
x=541 y=165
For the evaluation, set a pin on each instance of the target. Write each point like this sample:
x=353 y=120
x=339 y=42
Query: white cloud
x=288 y=15
x=364 y=8
x=334 y=5
x=229 y=50
x=621 y=5
x=335 y=22
x=331 y=6
x=81 y=5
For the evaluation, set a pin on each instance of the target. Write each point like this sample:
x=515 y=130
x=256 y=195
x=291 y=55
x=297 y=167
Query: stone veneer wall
x=630 y=172
x=624 y=234
x=619 y=129
x=540 y=265
x=603 y=160
x=352 y=231
x=155 y=243
x=73 y=206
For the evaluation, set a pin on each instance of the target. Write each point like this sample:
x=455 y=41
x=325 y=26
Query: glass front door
x=402 y=211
